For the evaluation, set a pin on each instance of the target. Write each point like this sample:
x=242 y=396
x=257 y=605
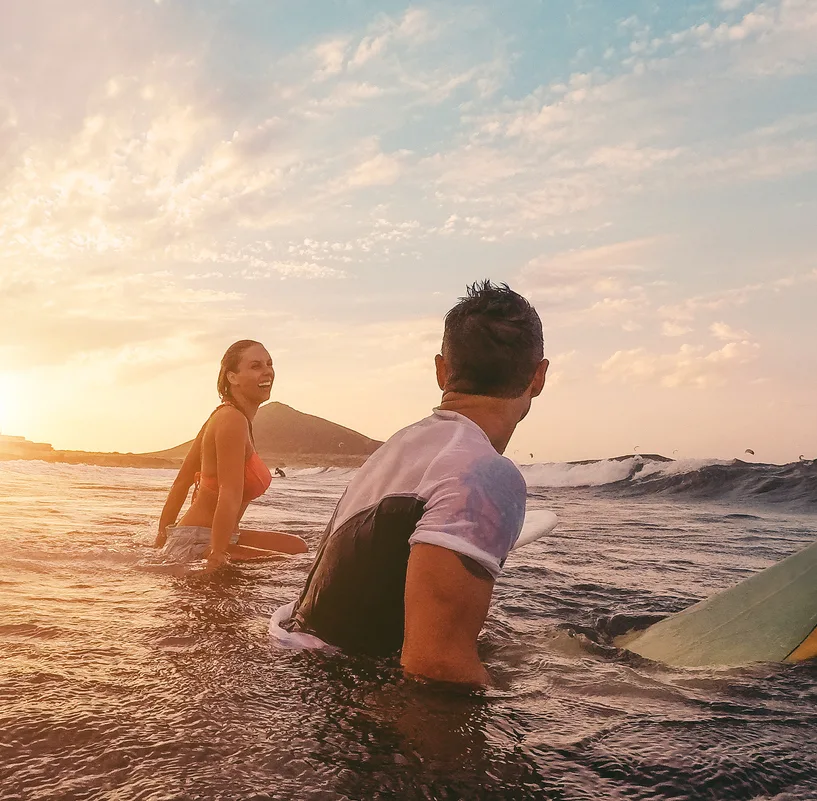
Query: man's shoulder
x=476 y=507
x=494 y=473
x=413 y=442
x=452 y=446
x=433 y=454
x=417 y=428
x=474 y=471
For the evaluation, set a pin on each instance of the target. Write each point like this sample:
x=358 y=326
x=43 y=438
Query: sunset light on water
x=118 y=672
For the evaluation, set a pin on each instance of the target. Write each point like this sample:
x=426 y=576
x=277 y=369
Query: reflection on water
x=121 y=681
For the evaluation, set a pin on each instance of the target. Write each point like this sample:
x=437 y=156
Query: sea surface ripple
x=121 y=678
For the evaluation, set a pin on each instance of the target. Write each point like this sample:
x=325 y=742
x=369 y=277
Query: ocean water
x=123 y=679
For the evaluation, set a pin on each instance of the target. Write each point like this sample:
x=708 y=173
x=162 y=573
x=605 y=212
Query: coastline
x=115 y=459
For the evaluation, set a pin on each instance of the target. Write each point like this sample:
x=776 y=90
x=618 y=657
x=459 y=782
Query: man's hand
x=447 y=598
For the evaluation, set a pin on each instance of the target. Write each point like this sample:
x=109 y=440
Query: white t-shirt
x=438 y=481
x=474 y=499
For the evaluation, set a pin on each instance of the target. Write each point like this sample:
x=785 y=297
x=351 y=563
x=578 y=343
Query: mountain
x=284 y=435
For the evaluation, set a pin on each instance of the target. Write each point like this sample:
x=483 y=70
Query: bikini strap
x=236 y=406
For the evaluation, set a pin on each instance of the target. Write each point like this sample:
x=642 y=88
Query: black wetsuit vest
x=353 y=596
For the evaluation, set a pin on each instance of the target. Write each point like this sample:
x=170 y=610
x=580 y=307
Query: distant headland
x=283 y=436
x=21 y=448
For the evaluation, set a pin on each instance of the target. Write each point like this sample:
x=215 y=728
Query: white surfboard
x=293 y=639
x=769 y=617
x=538 y=522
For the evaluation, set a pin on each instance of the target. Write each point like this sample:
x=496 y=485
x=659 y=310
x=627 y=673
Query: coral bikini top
x=257 y=476
x=257 y=479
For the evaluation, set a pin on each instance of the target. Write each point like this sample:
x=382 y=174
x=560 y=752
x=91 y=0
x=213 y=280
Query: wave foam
x=568 y=474
x=714 y=479
x=333 y=472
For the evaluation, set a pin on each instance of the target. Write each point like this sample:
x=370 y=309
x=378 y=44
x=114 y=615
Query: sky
x=327 y=177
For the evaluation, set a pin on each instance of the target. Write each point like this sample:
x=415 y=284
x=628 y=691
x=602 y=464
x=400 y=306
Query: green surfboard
x=769 y=617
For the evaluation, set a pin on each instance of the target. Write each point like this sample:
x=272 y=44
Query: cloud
x=727 y=333
x=154 y=162
x=753 y=162
x=670 y=328
x=379 y=170
x=604 y=269
x=597 y=137
x=67 y=314
x=690 y=308
x=256 y=261
x=689 y=366
x=774 y=38
x=157 y=167
x=331 y=56
x=414 y=26
x=612 y=309
x=560 y=371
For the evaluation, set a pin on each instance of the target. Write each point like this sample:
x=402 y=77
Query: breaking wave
x=334 y=472
x=735 y=480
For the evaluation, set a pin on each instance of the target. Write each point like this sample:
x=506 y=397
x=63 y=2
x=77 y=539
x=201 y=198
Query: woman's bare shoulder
x=228 y=419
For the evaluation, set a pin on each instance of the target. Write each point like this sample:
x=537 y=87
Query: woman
x=227 y=472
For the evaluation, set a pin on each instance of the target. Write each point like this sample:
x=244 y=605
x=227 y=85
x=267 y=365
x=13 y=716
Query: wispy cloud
x=670 y=328
x=603 y=270
x=689 y=366
x=727 y=333
x=690 y=307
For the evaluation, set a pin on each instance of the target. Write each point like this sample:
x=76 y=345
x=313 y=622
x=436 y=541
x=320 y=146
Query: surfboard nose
x=769 y=617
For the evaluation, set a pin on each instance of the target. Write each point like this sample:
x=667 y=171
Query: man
x=411 y=554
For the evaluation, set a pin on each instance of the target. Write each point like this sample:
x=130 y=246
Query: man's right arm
x=446 y=601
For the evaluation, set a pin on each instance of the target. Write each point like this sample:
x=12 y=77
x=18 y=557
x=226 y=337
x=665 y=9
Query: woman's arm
x=231 y=436
x=178 y=492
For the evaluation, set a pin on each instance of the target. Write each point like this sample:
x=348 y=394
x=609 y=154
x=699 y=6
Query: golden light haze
x=378 y=387
x=9 y=416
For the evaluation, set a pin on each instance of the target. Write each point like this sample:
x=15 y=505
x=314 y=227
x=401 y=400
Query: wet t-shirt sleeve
x=477 y=512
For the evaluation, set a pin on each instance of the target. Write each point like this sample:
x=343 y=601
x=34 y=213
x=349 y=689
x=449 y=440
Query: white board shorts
x=189 y=543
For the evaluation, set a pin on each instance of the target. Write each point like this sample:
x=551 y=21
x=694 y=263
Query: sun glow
x=6 y=404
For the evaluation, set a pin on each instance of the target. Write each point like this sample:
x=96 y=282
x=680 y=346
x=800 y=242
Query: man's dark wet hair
x=492 y=342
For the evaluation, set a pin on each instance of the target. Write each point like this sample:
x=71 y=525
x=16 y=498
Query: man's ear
x=442 y=371
x=538 y=383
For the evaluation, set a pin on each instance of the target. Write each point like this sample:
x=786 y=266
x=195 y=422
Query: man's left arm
x=447 y=598
x=470 y=522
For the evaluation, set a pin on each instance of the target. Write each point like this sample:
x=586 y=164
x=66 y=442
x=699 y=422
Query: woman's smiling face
x=254 y=377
